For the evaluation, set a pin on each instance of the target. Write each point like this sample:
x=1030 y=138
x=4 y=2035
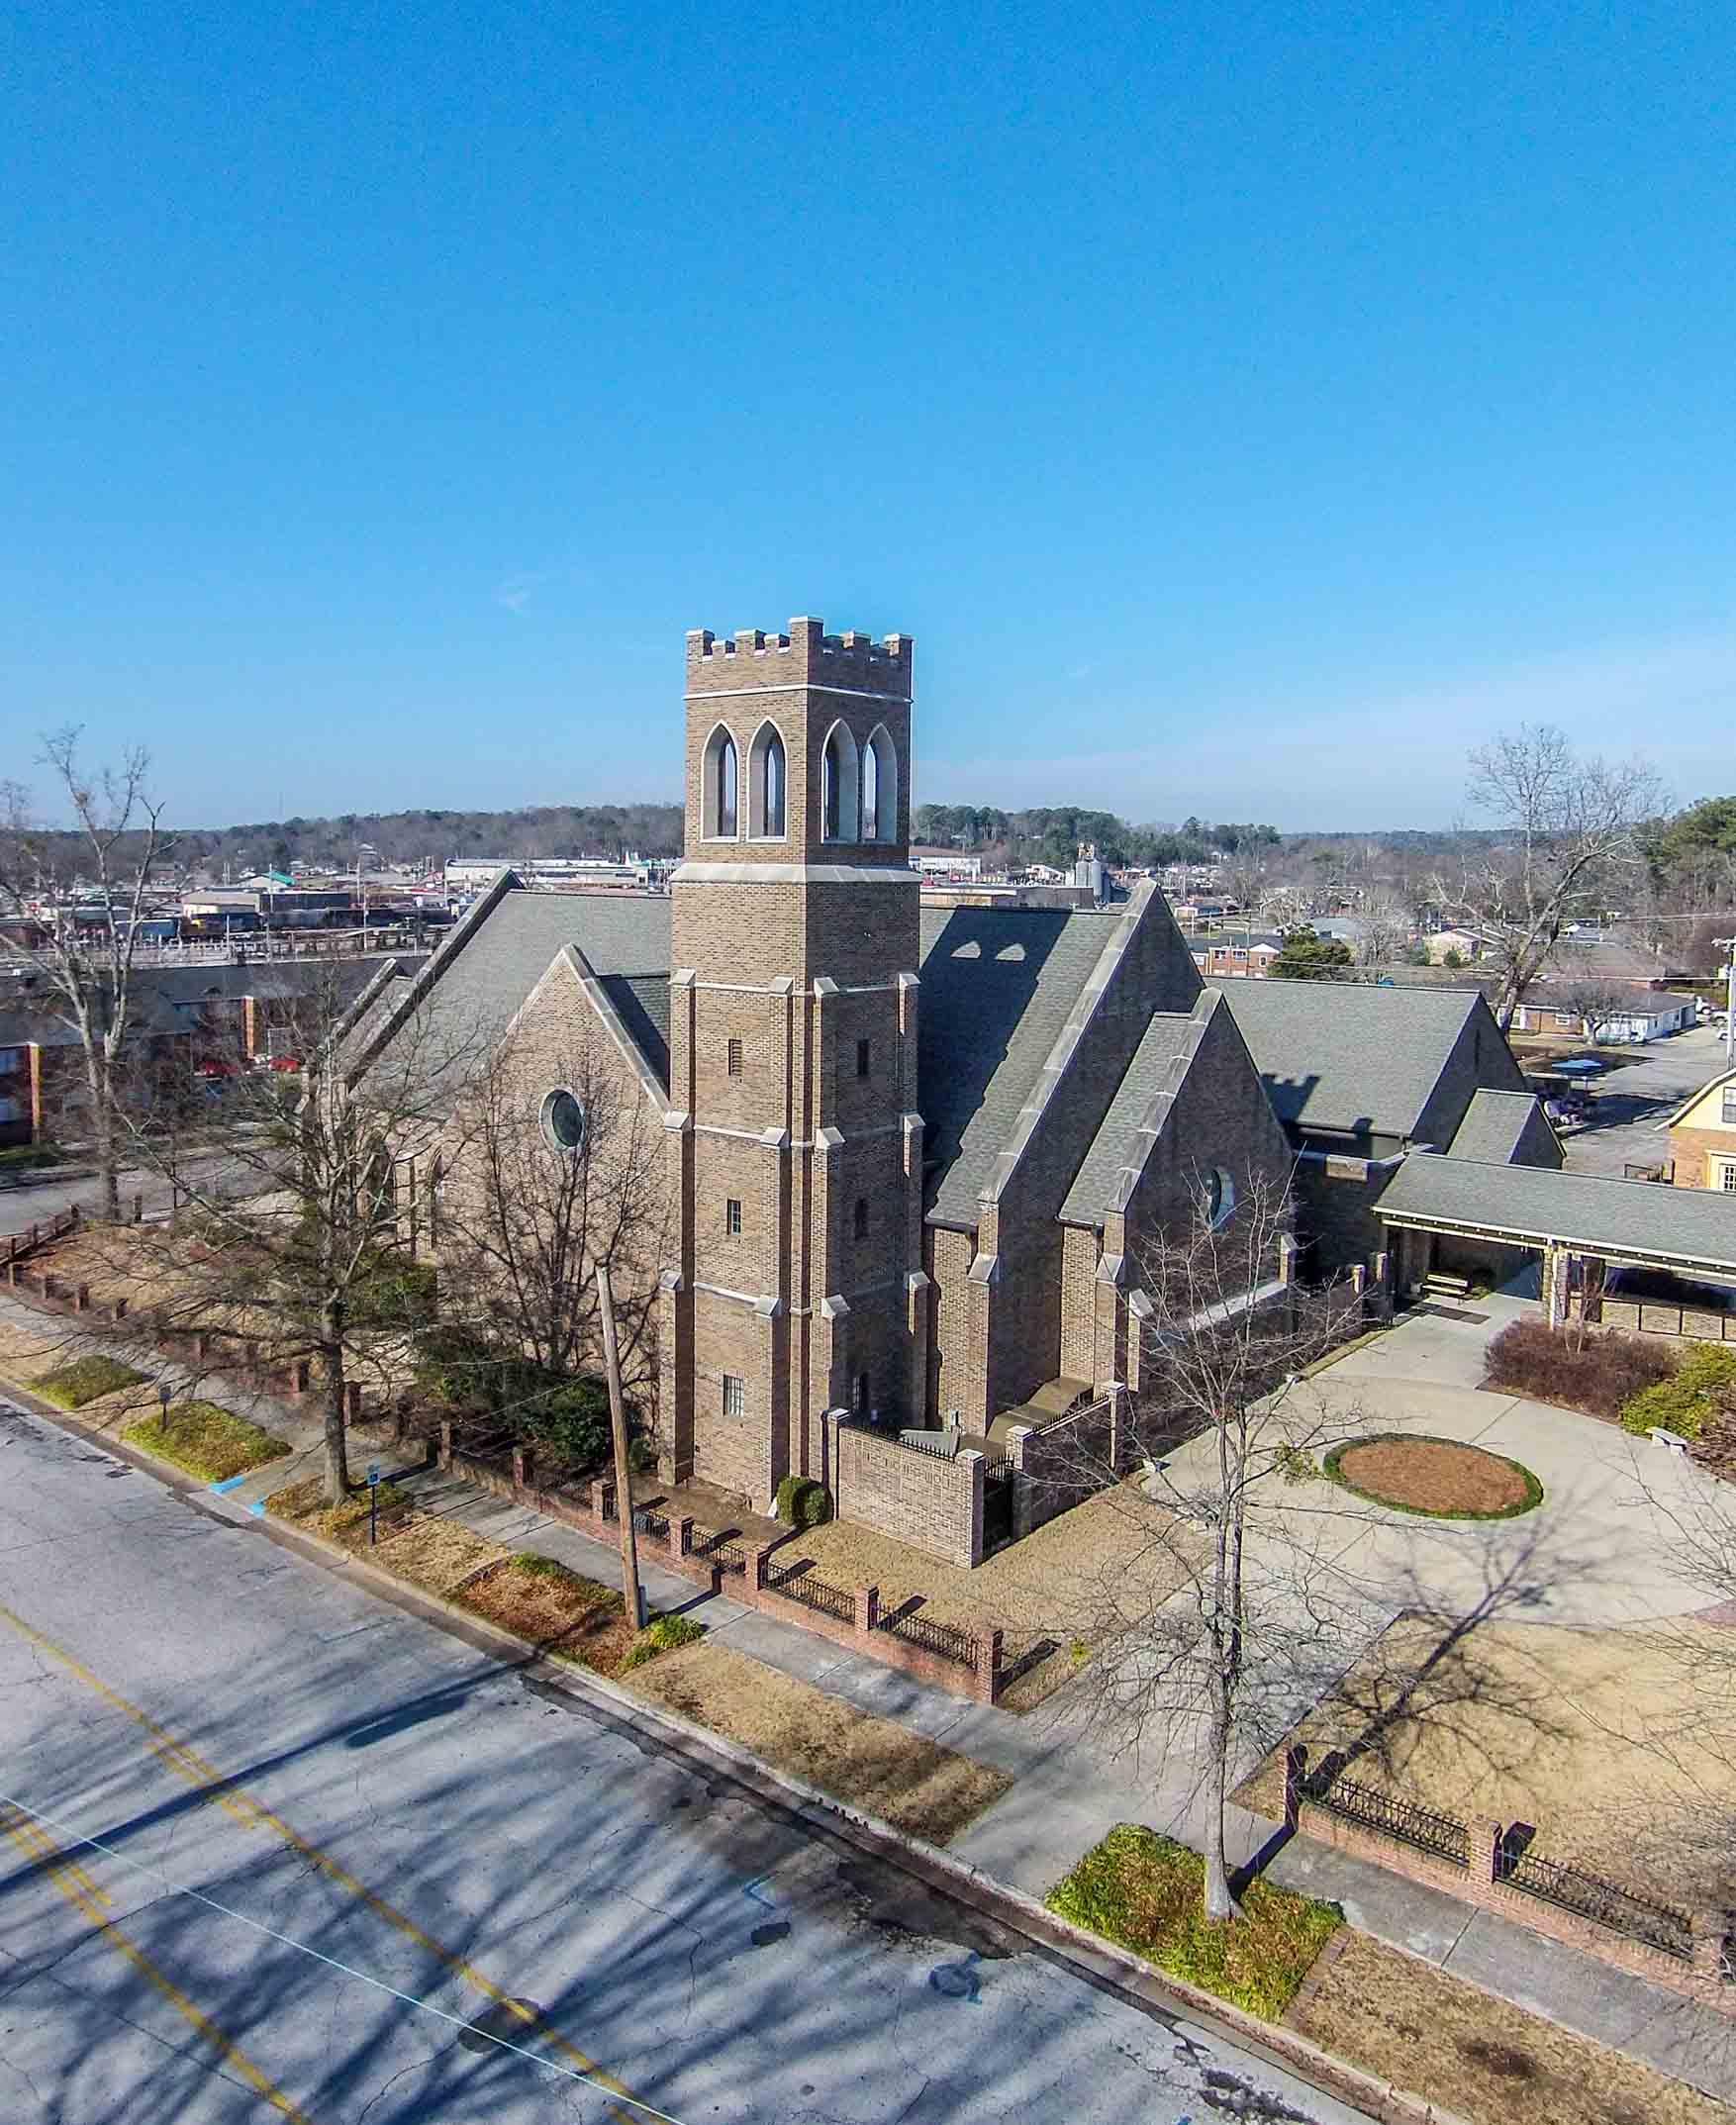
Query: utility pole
x=630 y=1549
x=1730 y=946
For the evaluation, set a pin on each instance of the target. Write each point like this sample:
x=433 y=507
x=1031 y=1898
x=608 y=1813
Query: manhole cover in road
x=512 y=2019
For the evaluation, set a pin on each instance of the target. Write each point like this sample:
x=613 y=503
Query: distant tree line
x=1052 y=834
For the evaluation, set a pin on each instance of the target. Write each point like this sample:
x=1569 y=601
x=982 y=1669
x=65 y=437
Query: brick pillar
x=986 y=1666
x=445 y=1456
x=867 y=1610
x=601 y=1506
x=81 y=1298
x=119 y=1309
x=301 y=1374
x=523 y=1468
x=971 y=1460
x=1482 y=1843
x=1287 y=1251
x=681 y=1535
x=1016 y=1439
x=755 y=1553
x=352 y=1399
x=1706 y=1931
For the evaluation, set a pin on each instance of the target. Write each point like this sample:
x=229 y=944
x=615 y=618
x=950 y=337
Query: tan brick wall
x=1698 y=1155
x=933 y=1504
x=1080 y=1251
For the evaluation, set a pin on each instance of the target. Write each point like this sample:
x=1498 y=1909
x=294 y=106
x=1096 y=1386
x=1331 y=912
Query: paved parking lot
x=1631 y=1105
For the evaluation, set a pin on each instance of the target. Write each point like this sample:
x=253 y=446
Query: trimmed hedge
x=71 y=1386
x=803 y=1503
x=1703 y=1386
x=1600 y=1372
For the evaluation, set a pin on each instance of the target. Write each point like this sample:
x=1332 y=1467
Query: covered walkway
x=1581 y=1226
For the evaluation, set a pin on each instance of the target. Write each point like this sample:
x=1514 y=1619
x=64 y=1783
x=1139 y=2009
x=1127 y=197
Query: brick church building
x=906 y=1154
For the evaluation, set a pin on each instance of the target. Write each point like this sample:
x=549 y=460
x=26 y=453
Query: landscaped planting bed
x=72 y=1385
x=1143 y=1892
x=1441 y=1478
x=1594 y=1371
x=569 y=1616
x=206 y=1441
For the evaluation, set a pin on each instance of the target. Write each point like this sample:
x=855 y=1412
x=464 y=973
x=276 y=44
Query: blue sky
x=1245 y=408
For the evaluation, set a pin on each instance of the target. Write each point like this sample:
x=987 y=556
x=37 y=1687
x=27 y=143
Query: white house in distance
x=1642 y=1015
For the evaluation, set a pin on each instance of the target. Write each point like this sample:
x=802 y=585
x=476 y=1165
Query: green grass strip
x=206 y=1441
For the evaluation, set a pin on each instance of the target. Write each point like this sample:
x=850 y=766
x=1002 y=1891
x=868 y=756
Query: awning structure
x=1692 y=1230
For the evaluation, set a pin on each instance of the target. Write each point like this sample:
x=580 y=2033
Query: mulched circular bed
x=1442 y=1478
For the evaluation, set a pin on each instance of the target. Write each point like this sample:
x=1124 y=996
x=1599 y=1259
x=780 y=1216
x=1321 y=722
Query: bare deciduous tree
x=86 y=968
x=290 y=1248
x=1222 y=1621
x=1569 y=837
x=527 y=1217
x=1593 y=999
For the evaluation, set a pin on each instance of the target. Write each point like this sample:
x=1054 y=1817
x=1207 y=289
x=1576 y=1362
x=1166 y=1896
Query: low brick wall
x=747 y=1573
x=934 y=1503
x=1061 y=1463
x=1653 y=1317
x=1698 y=1976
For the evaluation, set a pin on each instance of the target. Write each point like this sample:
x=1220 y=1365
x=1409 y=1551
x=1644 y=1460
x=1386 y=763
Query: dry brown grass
x=1047 y=1587
x=132 y=1261
x=1602 y=1740
x=1478 y=2056
x=24 y=1353
x=870 y=1763
x=431 y=1552
x=570 y=1617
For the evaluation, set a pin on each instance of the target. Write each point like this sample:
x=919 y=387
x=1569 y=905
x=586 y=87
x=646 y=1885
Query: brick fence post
x=681 y=1535
x=81 y=1298
x=1016 y=1442
x=139 y=1208
x=867 y=1610
x=985 y=1665
x=523 y=1468
x=300 y=1373
x=755 y=1553
x=1707 y=1932
x=351 y=1402
x=1482 y=1844
x=445 y=1456
x=602 y=1506
x=118 y=1311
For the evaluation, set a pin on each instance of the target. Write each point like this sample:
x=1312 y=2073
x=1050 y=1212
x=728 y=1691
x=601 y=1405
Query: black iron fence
x=815 y=1594
x=1588 y=1895
x=946 y=1639
x=1443 y=1837
x=650 y=1523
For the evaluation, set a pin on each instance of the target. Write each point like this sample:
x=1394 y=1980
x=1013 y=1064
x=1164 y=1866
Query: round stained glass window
x=1217 y=1196
x=563 y=1121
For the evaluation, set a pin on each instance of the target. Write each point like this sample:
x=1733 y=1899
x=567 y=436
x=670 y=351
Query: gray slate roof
x=497 y=965
x=1494 y=1124
x=1625 y=1221
x=1158 y=1065
x=999 y=985
x=1348 y=1055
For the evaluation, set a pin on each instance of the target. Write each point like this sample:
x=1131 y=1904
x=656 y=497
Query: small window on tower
x=863 y=1395
x=736 y=1058
x=864 y=1058
x=861 y=1220
x=734 y=1395
x=732 y=1217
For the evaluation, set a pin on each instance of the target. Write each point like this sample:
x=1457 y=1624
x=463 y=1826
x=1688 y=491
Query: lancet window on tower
x=767 y=777
x=879 y=788
x=839 y=794
x=719 y=785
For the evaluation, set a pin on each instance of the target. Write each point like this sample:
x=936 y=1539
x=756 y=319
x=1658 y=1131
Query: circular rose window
x=563 y=1121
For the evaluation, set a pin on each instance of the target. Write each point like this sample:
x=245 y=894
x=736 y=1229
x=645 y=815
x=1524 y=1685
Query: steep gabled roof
x=1504 y=1128
x=1712 y=1084
x=999 y=986
x=1135 y=1114
x=1350 y=1055
x=486 y=968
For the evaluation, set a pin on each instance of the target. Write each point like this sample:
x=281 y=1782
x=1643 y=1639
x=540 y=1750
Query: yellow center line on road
x=91 y=1902
x=252 y=1814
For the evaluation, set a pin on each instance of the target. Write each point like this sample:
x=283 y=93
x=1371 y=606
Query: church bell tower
x=793 y=1056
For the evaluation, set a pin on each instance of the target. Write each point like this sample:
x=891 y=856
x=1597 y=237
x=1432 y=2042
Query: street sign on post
x=165 y=1395
x=374 y=1503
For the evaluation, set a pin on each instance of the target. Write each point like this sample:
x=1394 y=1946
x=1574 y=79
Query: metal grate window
x=861 y=1218
x=735 y=1057
x=734 y=1395
x=732 y=1217
x=864 y=1057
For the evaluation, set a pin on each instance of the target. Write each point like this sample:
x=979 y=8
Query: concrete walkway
x=1069 y=1787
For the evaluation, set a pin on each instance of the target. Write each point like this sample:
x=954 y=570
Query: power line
x=348 y=1969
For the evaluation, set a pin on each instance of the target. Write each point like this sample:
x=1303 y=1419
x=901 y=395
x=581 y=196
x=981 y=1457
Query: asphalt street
x=1630 y=1106
x=36 y=1202
x=273 y=1846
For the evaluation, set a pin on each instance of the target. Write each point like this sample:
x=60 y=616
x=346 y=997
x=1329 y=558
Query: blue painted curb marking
x=227 y=1483
x=258 y=1508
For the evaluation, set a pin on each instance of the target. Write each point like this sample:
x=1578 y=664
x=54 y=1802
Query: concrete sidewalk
x=1068 y=1787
